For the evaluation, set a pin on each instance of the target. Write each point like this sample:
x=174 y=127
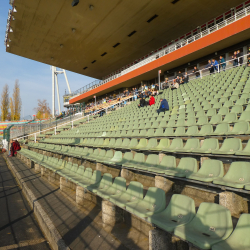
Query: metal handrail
x=169 y=49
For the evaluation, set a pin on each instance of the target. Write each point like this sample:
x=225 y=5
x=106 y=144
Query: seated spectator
x=175 y=85
x=151 y=101
x=152 y=86
x=142 y=103
x=15 y=146
x=163 y=106
x=196 y=72
x=185 y=78
x=222 y=63
x=157 y=87
x=178 y=80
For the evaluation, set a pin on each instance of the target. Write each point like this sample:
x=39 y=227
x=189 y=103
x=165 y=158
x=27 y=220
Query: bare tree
x=17 y=102
x=5 y=102
x=43 y=110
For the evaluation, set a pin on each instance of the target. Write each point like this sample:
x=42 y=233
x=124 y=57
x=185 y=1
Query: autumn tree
x=5 y=102
x=16 y=102
x=43 y=110
x=12 y=111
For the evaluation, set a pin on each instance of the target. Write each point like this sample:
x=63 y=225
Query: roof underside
x=41 y=26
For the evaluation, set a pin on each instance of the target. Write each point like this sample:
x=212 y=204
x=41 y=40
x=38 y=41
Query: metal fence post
x=35 y=138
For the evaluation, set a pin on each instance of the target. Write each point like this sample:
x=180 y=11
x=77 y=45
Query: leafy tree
x=17 y=102
x=42 y=110
x=5 y=102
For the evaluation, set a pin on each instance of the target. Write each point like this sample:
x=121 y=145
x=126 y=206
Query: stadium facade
x=125 y=43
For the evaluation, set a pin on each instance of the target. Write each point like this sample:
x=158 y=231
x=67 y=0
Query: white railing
x=169 y=49
x=118 y=104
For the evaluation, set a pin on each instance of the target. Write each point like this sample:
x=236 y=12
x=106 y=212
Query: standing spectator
x=248 y=61
x=222 y=63
x=240 y=57
x=235 y=59
x=215 y=65
x=179 y=74
x=151 y=101
x=185 y=78
x=210 y=67
x=163 y=106
x=196 y=72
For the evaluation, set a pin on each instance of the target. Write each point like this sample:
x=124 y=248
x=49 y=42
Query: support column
x=159 y=239
x=111 y=214
x=235 y=203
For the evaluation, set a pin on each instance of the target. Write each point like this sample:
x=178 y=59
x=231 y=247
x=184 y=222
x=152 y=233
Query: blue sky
x=35 y=78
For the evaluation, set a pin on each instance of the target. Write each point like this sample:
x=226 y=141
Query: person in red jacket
x=151 y=100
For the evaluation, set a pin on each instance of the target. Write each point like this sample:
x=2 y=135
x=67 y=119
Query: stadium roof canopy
x=73 y=38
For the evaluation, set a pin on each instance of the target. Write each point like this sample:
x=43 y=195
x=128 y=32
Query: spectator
x=151 y=101
x=103 y=101
x=166 y=84
x=222 y=63
x=215 y=65
x=175 y=85
x=248 y=61
x=163 y=106
x=196 y=72
x=179 y=74
x=240 y=57
x=142 y=103
x=152 y=86
x=178 y=80
x=210 y=67
x=185 y=78
x=235 y=59
x=157 y=87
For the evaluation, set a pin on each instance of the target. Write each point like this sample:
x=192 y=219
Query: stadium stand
x=160 y=168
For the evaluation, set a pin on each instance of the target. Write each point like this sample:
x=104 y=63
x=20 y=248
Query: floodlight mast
x=55 y=72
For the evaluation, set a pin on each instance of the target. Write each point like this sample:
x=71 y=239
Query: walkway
x=18 y=226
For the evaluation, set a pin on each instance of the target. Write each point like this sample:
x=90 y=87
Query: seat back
x=135 y=189
x=239 y=172
x=188 y=165
x=168 y=161
x=212 y=168
x=156 y=198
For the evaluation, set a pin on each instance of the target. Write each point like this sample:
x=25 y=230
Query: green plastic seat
x=237 y=109
x=118 y=143
x=163 y=144
x=230 y=118
x=245 y=151
x=190 y=145
x=245 y=116
x=177 y=143
x=142 y=144
x=207 y=146
x=239 y=129
x=153 y=202
x=202 y=120
x=133 y=143
x=105 y=183
x=239 y=239
x=210 y=170
x=134 y=192
x=191 y=131
x=150 y=133
x=247 y=187
x=211 y=112
x=150 y=162
x=180 y=123
x=187 y=166
x=221 y=129
x=223 y=111
x=180 y=211
x=159 y=132
x=215 y=119
x=180 y=131
x=125 y=143
x=229 y=146
x=138 y=158
x=152 y=143
x=118 y=187
x=211 y=224
x=237 y=176
x=205 y=130
x=167 y=162
x=168 y=132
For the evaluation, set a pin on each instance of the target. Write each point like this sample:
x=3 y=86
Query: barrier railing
x=169 y=49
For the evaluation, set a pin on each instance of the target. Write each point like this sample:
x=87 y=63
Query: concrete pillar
x=83 y=197
x=65 y=184
x=163 y=183
x=235 y=203
x=159 y=239
x=111 y=214
x=245 y=54
x=37 y=168
x=227 y=58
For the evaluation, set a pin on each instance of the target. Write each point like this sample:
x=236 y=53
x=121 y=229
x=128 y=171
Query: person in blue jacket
x=163 y=106
x=215 y=65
